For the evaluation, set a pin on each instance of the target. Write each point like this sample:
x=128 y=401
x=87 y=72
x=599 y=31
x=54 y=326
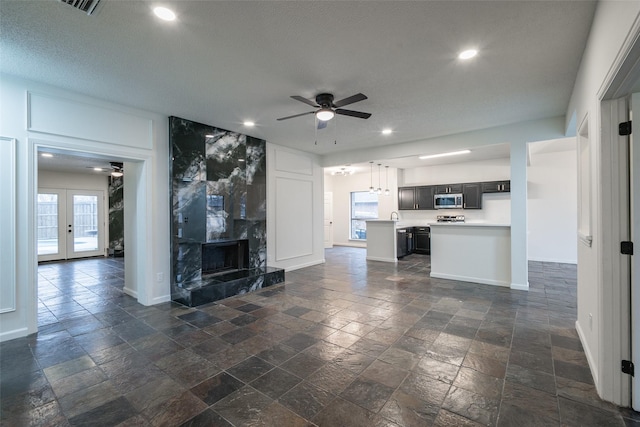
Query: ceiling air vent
x=90 y=7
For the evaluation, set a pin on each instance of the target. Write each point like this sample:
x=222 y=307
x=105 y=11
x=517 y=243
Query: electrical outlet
x=590 y=321
x=160 y=277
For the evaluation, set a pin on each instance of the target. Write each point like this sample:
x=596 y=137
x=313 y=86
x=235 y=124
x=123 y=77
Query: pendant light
x=379 y=187
x=387 y=192
x=371 y=189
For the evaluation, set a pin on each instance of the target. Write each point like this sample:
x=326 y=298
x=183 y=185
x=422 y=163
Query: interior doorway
x=71 y=224
x=76 y=172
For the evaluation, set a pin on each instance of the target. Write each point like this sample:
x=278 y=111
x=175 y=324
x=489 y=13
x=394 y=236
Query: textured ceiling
x=225 y=62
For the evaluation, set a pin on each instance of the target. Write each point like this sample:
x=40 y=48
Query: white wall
x=552 y=206
x=343 y=186
x=295 y=208
x=38 y=115
x=614 y=31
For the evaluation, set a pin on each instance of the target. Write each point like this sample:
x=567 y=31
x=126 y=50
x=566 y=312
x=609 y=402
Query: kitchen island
x=381 y=240
x=471 y=252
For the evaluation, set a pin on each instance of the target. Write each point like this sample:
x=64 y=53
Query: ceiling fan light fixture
x=325 y=114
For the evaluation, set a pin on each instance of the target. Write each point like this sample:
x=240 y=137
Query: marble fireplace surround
x=218 y=199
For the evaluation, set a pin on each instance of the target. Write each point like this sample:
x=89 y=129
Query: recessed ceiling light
x=164 y=13
x=97 y=169
x=452 y=153
x=468 y=54
x=249 y=123
x=46 y=155
x=386 y=131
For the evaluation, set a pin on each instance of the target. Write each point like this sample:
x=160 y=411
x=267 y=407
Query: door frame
x=328 y=235
x=138 y=188
x=614 y=280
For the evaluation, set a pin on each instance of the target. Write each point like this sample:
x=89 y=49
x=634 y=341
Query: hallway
x=349 y=342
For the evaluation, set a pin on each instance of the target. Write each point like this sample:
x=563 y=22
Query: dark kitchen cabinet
x=422 y=240
x=496 y=187
x=472 y=195
x=404 y=242
x=416 y=198
x=449 y=189
x=424 y=197
x=406 y=198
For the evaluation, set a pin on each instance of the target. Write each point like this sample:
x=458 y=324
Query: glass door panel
x=50 y=229
x=85 y=223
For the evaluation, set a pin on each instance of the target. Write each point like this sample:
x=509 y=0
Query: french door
x=70 y=224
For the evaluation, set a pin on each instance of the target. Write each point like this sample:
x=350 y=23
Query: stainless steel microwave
x=448 y=201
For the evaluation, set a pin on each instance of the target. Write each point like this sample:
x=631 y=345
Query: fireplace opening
x=222 y=256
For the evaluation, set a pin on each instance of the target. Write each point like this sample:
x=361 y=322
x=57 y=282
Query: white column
x=519 y=257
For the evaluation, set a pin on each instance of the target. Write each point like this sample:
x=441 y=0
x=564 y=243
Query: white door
x=328 y=220
x=634 y=190
x=70 y=224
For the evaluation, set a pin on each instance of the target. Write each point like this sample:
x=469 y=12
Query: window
x=364 y=206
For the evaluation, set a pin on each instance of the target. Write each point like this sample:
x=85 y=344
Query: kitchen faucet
x=397 y=216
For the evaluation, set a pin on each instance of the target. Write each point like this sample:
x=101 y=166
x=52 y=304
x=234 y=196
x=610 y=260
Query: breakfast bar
x=471 y=252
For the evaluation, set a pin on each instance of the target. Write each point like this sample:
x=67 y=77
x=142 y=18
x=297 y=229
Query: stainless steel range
x=450 y=218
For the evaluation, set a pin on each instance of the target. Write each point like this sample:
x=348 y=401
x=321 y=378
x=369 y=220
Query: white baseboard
x=299 y=266
x=519 y=286
x=558 y=261
x=16 y=333
x=470 y=279
x=375 y=258
x=161 y=299
x=130 y=292
x=590 y=361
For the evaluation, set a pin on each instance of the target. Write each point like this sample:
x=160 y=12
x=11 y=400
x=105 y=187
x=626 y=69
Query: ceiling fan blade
x=305 y=100
x=322 y=124
x=296 y=115
x=358 y=114
x=350 y=100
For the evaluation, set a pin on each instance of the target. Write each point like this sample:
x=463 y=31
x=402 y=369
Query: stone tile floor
x=347 y=343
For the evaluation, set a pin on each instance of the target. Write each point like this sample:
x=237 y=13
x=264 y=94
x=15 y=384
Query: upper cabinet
x=406 y=198
x=416 y=198
x=424 y=197
x=448 y=189
x=421 y=197
x=472 y=195
x=496 y=187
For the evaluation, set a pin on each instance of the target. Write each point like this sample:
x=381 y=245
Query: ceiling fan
x=327 y=108
x=116 y=169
